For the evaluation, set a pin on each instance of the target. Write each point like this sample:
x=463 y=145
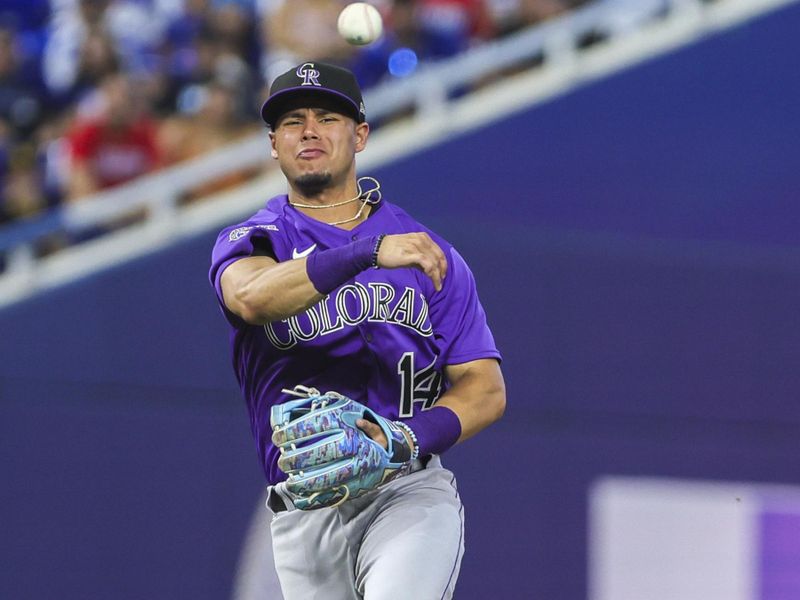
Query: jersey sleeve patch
x=236 y=234
x=234 y=244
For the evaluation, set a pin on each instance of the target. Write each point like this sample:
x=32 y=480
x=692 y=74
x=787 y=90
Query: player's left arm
x=477 y=394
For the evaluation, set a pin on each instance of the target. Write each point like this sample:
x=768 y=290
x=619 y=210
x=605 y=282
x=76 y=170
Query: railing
x=427 y=92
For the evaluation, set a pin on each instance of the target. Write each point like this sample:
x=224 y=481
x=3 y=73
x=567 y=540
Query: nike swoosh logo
x=306 y=252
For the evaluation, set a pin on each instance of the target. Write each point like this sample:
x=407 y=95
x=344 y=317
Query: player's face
x=317 y=143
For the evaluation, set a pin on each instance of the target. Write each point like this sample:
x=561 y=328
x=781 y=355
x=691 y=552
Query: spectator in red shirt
x=113 y=147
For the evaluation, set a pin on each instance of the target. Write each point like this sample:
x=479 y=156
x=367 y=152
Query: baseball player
x=363 y=353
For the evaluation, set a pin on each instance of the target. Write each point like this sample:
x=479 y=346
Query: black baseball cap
x=334 y=86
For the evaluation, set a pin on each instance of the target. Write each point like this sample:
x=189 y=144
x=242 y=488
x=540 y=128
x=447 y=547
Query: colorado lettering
x=349 y=306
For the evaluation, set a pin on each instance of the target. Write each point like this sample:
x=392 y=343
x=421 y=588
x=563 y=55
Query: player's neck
x=323 y=198
x=336 y=206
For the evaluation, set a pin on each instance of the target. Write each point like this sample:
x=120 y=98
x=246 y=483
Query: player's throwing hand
x=415 y=250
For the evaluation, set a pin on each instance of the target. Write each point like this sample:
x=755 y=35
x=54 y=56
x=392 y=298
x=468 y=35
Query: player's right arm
x=415 y=250
x=259 y=289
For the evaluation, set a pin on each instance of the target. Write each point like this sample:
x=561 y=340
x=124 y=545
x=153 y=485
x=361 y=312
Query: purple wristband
x=436 y=429
x=329 y=269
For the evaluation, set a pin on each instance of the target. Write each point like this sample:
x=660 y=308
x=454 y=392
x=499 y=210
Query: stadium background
x=635 y=245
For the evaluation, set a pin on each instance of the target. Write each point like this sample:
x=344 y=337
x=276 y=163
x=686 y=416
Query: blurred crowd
x=94 y=93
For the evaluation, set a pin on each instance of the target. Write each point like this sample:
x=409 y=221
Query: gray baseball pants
x=402 y=542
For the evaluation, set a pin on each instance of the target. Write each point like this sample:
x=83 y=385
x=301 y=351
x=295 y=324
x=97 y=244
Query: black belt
x=277 y=504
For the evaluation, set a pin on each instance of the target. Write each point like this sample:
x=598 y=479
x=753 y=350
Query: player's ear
x=273 y=150
x=362 y=133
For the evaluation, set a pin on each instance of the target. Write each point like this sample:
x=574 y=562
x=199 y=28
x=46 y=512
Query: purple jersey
x=382 y=338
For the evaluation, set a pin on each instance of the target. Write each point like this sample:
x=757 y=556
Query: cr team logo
x=308 y=74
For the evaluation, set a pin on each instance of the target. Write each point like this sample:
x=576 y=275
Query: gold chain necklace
x=371 y=196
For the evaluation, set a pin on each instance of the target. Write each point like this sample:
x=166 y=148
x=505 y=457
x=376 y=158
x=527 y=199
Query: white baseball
x=360 y=23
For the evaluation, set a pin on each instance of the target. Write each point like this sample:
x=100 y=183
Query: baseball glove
x=327 y=458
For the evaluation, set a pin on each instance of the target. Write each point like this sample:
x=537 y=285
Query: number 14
x=423 y=386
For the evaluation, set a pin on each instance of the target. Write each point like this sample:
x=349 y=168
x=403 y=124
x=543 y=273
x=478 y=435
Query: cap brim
x=282 y=101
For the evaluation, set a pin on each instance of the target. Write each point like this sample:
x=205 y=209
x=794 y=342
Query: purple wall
x=635 y=244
